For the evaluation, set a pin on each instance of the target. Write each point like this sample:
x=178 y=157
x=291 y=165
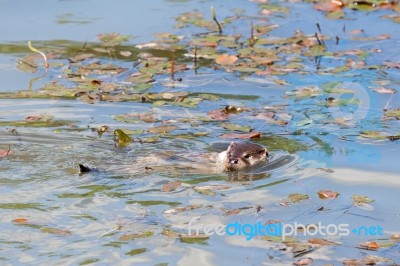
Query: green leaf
x=122 y=138
x=136 y=251
x=235 y=127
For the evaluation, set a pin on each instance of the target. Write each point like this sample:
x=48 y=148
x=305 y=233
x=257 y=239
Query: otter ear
x=233 y=144
x=264 y=151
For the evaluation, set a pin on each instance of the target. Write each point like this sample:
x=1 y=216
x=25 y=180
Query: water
x=52 y=214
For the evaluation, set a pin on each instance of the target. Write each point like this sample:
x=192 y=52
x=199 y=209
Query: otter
x=241 y=155
x=238 y=156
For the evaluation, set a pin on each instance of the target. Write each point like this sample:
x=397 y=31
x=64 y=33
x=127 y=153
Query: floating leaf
x=212 y=187
x=367 y=260
x=198 y=238
x=303 y=261
x=226 y=59
x=393 y=113
x=181 y=209
x=171 y=186
x=136 y=251
x=80 y=57
x=162 y=129
x=370 y=245
x=252 y=135
x=128 y=237
x=235 y=127
x=55 y=231
x=304 y=122
x=169 y=233
x=383 y=90
x=121 y=138
x=322 y=242
x=278 y=143
x=39 y=123
x=299 y=248
x=360 y=200
x=327 y=194
x=20 y=220
x=297 y=197
x=113 y=38
x=373 y=135
x=207 y=192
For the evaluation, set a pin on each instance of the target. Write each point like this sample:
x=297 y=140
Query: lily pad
x=236 y=127
x=278 y=143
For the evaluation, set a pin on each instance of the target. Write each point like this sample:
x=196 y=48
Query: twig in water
x=33 y=49
x=252 y=40
x=319 y=28
x=337 y=40
x=118 y=227
x=215 y=19
x=319 y=41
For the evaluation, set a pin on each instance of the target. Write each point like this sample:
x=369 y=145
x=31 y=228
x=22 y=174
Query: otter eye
x=247 y=156
x=229 y=154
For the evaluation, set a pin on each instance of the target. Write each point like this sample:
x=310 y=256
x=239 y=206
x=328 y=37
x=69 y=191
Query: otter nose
x=233 y=161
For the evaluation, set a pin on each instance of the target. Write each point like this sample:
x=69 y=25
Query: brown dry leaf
x=171 y=186
x=354 y=32
x=20 y=220
x=330 y=6
x=395 y=237
x=148 y=118
x=181 y=209
x=211 y=187
x=383 y=90
x=252 y=135
x=234 y=211
x=327 y=194
x=218 y=114
x=392 y=64
x=370 y=245
x=80 y=57
x=298 y=248
x=367 y=260
x=304 y=261
x=226 y=59
x=322 y=242
x=161 y=129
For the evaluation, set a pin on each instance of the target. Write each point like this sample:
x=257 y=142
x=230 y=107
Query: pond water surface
x=327 y=112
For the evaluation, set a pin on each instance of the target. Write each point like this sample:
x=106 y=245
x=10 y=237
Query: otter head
x=240 y=155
